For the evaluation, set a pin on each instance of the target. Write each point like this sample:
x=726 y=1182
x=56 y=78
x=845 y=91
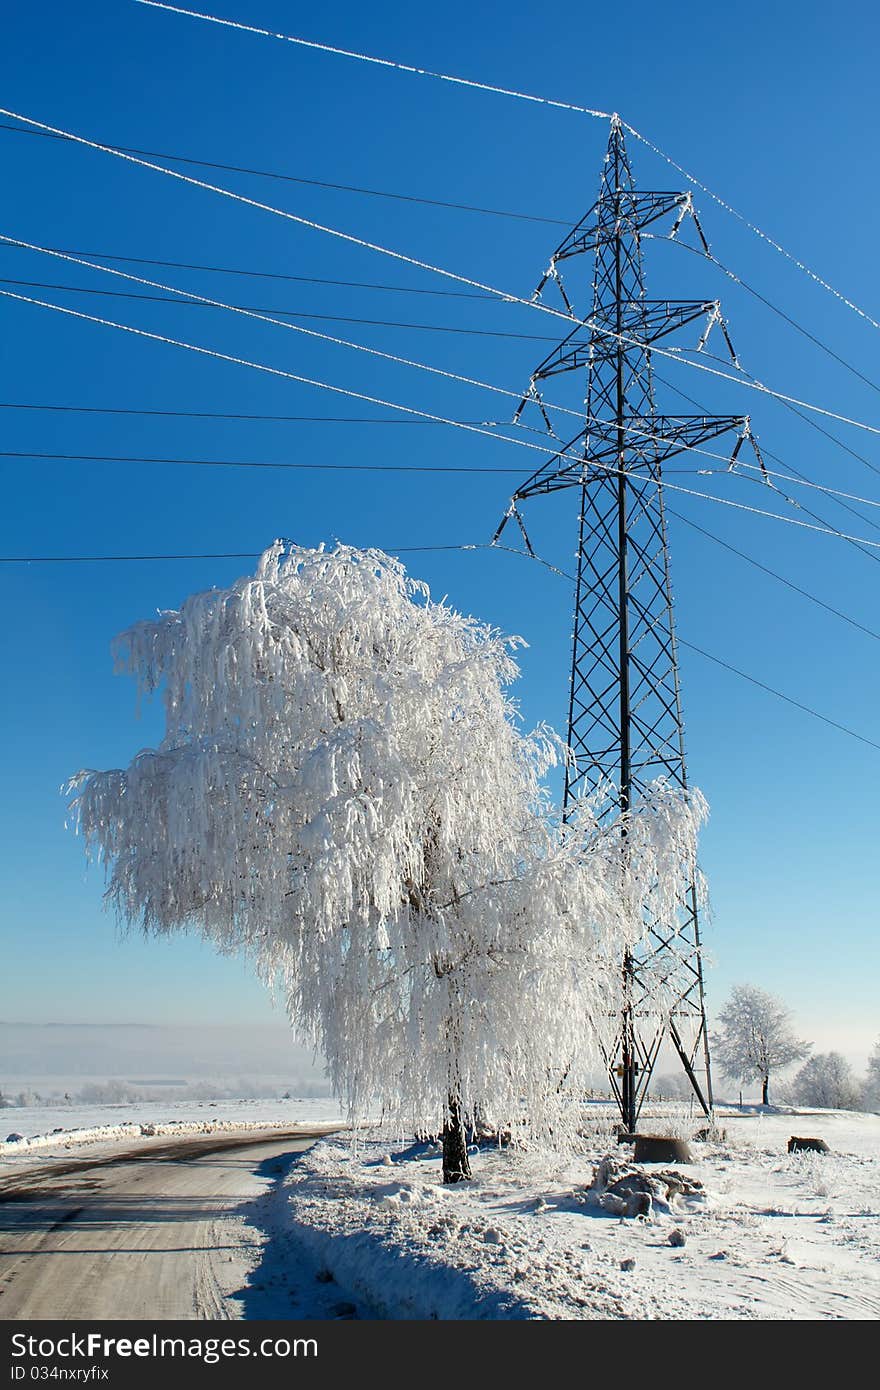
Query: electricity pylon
x=625 y=719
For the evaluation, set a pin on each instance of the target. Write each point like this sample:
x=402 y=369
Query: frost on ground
x=746 y=1231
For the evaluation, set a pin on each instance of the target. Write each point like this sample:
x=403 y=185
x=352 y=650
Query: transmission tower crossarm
x=651 y=441
x=640 y=323
x=645 y=207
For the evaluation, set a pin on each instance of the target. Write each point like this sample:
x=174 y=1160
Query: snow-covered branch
x=343 y=792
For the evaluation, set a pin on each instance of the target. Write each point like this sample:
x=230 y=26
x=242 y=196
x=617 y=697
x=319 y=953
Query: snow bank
x=104 y=1124
x=514 y=1243
x=102 y=1133
x=752 y=1232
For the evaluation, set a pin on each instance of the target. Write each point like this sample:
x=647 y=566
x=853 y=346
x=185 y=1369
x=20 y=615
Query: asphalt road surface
x=133 y=1235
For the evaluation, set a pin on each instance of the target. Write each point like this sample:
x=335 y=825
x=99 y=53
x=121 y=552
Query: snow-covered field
x=764 y=1235
x=751 y=1232
x=47 y=1130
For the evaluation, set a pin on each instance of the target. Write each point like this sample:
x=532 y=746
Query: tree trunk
x=765 y=1091
x=456 y=1167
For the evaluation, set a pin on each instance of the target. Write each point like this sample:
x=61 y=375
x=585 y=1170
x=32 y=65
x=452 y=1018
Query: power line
x=750 y=383
x=295 y=178
x=294 y=465
x=768 y=303
x=780 y=695
x=529 y=97
x=217 y=355
x=205 y=301
x=719 y=661
x=288 y=216
x=382 y=420
x=745 y=379
x=253 y=274
x=210 y=555
x=201 y=301
x=411 y=410
x=402 y=550
x=789 y=584
x=851 y=540
x=299 y=465
x=265 y=367
x=387 y=62
x=397 y=420
x=188 y=301
x=791 y=403
x=764 y=236
x=280 y=323
x=800 y=480
x=239 y=415
x=344 y=342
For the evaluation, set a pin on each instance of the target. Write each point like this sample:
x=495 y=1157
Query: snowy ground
x=370 y=1231
x=50 y=1130
x=768 y=1235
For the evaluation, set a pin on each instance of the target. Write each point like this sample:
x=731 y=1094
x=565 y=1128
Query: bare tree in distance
x=871 y=1090
x=755 y=1038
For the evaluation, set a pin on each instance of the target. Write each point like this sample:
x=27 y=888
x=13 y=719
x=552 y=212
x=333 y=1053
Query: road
x=137 y=1234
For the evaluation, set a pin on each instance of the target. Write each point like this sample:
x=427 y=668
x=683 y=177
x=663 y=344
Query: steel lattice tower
x=625 y=718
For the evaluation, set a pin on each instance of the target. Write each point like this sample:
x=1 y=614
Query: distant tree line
x=116 y=1091
x=755 y=1041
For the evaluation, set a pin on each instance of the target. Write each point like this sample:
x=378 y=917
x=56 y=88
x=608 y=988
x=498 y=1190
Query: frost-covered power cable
x=349 y=237
x=740 y=217
x=269 y=318
x=814 y=424
x=774 y=574
x=309 y=332
x=392 y=405
x=538 y=100
x=383 y=62
x=735 y=670
x=266 y=367
x=751 y=384
x=735 y=279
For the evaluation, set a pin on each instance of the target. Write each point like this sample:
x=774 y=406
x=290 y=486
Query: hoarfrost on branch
x=343 y=793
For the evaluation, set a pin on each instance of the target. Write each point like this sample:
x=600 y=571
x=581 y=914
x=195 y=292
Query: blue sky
x=772 y=106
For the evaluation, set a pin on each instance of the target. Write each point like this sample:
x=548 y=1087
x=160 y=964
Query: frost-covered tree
x=344 y=794
x=755 y=1038
x=826 y=1080
x=871 y=1088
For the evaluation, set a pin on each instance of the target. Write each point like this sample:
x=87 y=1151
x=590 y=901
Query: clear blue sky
x=772 y=106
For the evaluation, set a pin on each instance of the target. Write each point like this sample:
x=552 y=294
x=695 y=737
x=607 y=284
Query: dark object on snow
x=624 y=1191
x=657 y=1148
x=629 y=1196
x=807 y=1146
x=677 y=1238
x=624 y=1136
x=627 y=1265
x=14 y=1137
